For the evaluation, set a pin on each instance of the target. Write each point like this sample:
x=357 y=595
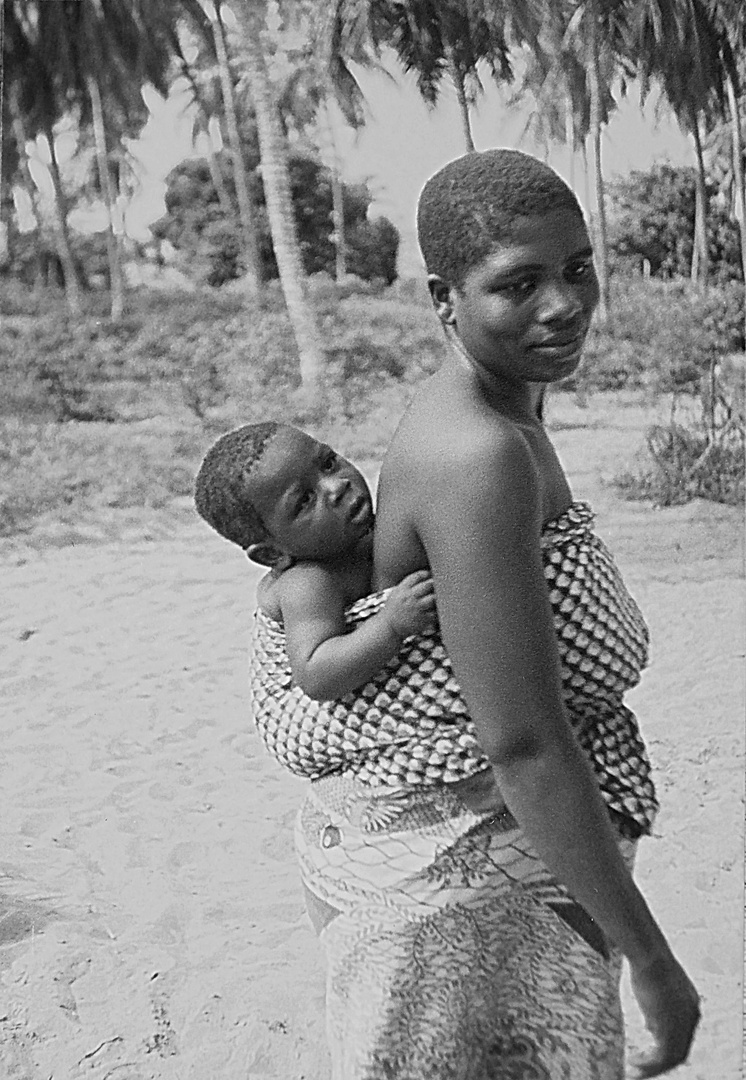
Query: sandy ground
x=151 y=918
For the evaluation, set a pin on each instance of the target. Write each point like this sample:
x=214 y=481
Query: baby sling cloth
x=409 y=725
x=452 y=953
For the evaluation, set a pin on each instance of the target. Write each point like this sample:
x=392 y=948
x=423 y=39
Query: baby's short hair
x=221 y=492
x=472 y=204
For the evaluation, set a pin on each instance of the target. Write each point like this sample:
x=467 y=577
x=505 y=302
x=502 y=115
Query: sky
x=401 y=145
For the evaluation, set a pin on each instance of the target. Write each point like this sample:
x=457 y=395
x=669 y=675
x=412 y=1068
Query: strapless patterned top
x=410 y=726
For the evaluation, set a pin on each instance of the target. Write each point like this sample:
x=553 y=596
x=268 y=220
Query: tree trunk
x=587 y=187
x=217 y=179
x=338 y=206
x=113 y=254
x=738 y=176
x=280 y=208
x=19 y=134
x=338 y=222
x=570 y=140
x=28 y=184
x=457 y=78
x=595 y=122
x=72 y=290
x=254 y=272
x=701 y=256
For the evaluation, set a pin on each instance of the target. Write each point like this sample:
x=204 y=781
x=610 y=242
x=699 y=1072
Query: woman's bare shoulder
x=427 y=446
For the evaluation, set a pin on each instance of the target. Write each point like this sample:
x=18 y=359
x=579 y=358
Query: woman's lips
x=560 y=348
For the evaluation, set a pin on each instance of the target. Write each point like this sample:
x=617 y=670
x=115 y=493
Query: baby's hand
x=410 y=607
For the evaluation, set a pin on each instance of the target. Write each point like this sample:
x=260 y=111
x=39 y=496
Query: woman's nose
x=560 y=303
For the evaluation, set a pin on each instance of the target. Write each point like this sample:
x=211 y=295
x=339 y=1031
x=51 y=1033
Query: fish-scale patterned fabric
x=410 y=726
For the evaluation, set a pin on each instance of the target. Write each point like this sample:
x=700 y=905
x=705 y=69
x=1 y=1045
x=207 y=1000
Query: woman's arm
x=327 y=660
x=481 y=530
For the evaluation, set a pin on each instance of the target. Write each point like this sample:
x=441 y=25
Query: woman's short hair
x=221 y=489
x=473 y=203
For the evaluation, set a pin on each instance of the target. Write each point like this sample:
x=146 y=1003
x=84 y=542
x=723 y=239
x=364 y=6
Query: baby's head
x=472 y=205
x=282 y=496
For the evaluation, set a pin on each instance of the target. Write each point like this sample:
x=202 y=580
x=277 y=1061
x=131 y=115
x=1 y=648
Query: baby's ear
x=268 y=555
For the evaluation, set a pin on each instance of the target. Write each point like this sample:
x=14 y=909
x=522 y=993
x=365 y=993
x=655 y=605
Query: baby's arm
x=327 y=660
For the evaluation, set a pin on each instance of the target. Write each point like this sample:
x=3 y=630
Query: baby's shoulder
x=302 y=583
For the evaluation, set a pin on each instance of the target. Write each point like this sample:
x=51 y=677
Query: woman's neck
x=521 y=402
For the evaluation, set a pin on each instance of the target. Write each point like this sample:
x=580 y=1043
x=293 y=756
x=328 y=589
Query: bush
x=651 y=217
x=661 y=336
x=687 y=464
x=702 y=457
x=207 y=235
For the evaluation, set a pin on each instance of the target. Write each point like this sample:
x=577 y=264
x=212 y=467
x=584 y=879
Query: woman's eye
x=578 y=271
x=520 y=288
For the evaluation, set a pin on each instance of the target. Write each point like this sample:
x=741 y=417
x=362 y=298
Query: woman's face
x=524 y=311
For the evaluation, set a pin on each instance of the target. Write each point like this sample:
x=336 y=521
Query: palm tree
x=432 y=38
x=116 y=278
x=731 y=19
x=597 y=119
x=677 y=43
x=92 y=59
x=571 y=67
x=252 y=258
x=35 y=107
x=272 y=149
x=304 y=102
x=739 y=181
x=206 y=115
x=306 y=99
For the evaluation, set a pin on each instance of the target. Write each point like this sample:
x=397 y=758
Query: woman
x=475 y=930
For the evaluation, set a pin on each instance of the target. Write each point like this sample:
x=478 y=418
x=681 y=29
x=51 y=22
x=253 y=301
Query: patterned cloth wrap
x=410 y=726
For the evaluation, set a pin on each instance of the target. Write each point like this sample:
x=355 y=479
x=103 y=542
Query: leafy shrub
x=651 y=217
x=661 y=336
x=686 y=464
x=207 y=235
x=701 y=456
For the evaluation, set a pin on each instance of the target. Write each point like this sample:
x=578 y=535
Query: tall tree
x=571 y=68
x=678 y=44
x=273 y=152
x=35 y=107
x=113 y=254
x=307 y=98
x=248 y=228
x=730 y=16
x=434 y=39
x=91 y=58
x=205 y=97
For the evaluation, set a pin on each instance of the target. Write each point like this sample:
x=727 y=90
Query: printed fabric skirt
x=452 y=953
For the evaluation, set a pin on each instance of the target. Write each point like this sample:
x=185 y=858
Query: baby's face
x=315 y=504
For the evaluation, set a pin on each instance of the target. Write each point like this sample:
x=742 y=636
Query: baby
x=299 y=508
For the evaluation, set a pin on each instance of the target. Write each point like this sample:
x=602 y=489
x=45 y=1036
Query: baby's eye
x=329 y=462
x=304 y=501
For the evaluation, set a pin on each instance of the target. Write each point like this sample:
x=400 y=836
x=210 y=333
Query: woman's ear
x=442 y=297
x=266 y=554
